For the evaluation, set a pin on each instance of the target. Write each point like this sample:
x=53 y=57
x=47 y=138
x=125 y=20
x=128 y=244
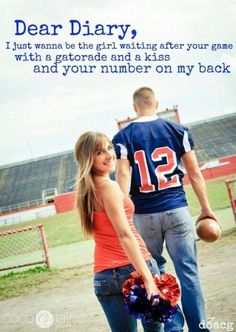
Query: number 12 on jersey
x=161 y=170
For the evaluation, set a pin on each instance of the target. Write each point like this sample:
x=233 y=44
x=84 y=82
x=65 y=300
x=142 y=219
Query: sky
x=45 y=113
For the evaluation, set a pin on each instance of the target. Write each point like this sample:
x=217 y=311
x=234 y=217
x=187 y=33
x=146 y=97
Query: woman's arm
x=123 y=176
x=112 y=199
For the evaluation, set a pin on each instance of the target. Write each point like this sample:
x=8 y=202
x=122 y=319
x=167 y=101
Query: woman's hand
x=151 y=289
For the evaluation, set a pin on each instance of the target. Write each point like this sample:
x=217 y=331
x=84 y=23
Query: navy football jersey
x=154 y=148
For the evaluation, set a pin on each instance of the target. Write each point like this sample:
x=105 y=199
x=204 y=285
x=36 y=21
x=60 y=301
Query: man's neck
x=147 y=113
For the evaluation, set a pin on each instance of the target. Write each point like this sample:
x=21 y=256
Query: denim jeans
x=176 y=228
x=108 y=289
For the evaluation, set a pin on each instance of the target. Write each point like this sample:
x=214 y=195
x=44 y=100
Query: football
x=208 y=230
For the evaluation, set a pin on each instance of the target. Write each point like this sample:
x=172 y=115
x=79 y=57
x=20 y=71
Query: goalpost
x=231 y=187
x=23 y=246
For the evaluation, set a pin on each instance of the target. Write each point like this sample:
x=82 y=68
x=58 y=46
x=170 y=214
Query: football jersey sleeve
x=120 y=146
x=188 y=143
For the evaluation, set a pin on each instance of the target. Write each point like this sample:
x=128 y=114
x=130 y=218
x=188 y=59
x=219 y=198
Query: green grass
x=64 y=228
x=60 y=229
x=41 y=278
x=17 y=283
x=217 y=194
x=15 y=275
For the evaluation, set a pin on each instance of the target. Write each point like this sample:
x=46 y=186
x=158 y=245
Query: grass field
x=66 y=288
x=68 y=250
x=217 y=193
x=34 y=279
x=64 y=228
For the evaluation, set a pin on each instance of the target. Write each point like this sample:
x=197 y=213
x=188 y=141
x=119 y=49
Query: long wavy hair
x=85 y=194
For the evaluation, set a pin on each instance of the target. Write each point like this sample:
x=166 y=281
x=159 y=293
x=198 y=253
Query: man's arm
x=123 y=176
x=198 y=184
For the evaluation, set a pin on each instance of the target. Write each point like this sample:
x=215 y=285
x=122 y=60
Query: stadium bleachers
x=215 y=138
x=25 y=181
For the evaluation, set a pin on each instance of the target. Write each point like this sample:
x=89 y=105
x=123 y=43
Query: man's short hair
x=144 y=95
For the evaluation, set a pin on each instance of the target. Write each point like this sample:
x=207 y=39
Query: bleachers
x=25 y=181
x=215 y=138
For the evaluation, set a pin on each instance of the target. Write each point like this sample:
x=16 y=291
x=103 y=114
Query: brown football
x=208 y=230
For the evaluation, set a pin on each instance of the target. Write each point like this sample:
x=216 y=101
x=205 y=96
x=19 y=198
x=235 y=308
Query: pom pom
x=137 y=304
x=169 y=288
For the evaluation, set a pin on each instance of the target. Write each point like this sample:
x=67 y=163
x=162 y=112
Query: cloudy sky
x=42 y=114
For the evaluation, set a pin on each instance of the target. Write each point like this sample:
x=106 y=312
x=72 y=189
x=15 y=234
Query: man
x=149 y=152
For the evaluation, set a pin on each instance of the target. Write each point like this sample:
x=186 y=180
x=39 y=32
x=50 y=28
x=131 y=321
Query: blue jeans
x=176 y=228
x=108 y=289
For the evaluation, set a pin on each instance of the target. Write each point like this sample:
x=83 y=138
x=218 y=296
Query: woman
x=107 y=215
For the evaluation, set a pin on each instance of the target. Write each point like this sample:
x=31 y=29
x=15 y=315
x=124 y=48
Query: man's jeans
x=108 y=286
x=176 y=228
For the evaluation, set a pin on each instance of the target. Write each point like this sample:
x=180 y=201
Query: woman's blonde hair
x=85 y=194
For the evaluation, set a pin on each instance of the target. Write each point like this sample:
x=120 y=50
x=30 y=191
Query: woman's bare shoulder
x=110 y=187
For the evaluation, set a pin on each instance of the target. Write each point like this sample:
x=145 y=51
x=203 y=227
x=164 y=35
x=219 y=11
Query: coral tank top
x=109 y=253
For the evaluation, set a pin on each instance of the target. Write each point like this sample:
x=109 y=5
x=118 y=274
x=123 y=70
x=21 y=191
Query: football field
x=81 y=253
x=66 y=295
x=66 y=291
